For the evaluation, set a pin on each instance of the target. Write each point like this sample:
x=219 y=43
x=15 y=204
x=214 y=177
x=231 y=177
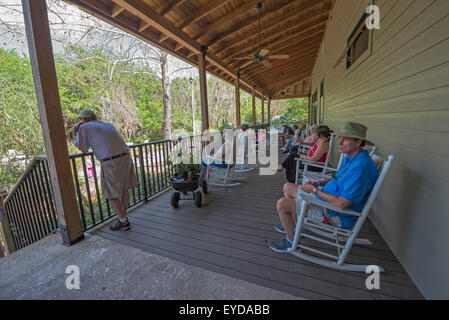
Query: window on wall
x=358 y=42
x=322 y=102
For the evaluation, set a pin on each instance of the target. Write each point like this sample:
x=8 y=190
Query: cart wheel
x=204 y=186
x=198 y=198
x=175 y=199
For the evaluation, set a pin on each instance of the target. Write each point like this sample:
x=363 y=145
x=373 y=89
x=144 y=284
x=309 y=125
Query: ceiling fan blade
x=246 y=64
x=266 y=63
x=245 y=58
x=279 y=56
x=263 y=52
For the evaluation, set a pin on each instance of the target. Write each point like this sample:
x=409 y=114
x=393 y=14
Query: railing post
x=5 y=231
x=142 y=172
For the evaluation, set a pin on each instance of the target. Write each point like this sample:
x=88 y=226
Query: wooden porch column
x=254 y=105
x=308 y=115
x=203 y=89
x=46 y=87
x=268 y=111
x=263 y=107
x=237 y=101
x=5 y=230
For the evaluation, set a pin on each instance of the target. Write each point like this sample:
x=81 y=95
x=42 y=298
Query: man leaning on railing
x=117 y=169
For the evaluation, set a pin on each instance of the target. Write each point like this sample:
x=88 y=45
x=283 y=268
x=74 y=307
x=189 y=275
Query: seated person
x=297 y=135
x=284 y=135
x=302 y=133
x=317 y=154
x=312 y=138
x=289 y=134
x=350 y=188
x=219 y=158
x=261 y=134
x=242 y=143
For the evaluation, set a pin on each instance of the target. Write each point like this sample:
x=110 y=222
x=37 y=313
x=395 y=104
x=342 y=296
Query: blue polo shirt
x=353 y=181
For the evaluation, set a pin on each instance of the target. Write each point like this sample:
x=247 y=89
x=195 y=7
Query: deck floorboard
x=228 y=235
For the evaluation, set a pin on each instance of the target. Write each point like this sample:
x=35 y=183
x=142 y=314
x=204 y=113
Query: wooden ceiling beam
x=116 y=10
x=297 y=49
x=270 y=43
x=279 y=86
x=307 y=16
x=275 y=41
x=198 y=14
x=265 y=14
x=178 y=46
x=268 y=82
x=278 y=97
x=279 y=72
x=282 y=68
x=225 y=19
x=143 y=25
x=294 y=48
x=313 y=38
x=287 y=81
x=149 y=16
x=201 y=12
x=169 y=6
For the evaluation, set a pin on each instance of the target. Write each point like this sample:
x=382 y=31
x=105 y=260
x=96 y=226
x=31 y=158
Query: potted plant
x=188 y=177
x=185 y=171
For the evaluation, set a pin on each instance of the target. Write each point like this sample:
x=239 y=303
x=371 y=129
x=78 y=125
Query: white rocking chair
x=242 y=155
x=327 y=172
x=343 y=239
x=223 y=175
x=325 y=166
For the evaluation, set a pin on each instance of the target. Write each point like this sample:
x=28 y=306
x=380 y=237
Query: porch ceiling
x=229 y=29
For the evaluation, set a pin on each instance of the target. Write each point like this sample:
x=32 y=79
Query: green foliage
x=148 y=97
x=19 y=119
x=297 y=110
x=185 y=170
x=121 y=90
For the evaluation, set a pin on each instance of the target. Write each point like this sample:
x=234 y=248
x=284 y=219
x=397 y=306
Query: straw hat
x=356 y=131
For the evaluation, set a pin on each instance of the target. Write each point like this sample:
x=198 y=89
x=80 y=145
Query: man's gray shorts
x=318 y=213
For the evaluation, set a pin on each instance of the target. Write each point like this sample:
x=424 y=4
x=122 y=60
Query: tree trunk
x=166 y=125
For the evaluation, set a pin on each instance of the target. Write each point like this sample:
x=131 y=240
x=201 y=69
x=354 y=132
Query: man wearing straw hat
x=350 y=188
x=117 y=169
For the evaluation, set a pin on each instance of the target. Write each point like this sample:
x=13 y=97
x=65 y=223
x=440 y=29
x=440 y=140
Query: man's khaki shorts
x=117 y=176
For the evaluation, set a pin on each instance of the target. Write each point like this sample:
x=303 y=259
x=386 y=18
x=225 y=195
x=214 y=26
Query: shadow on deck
x=227 y=235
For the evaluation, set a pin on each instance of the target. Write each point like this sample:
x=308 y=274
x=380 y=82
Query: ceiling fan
x=261 y=55
x=283 y=93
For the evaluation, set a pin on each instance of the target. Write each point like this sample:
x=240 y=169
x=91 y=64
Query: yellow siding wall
x=401 y=93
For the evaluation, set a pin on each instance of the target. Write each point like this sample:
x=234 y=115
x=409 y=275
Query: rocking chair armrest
x=311 y=199
x=310 y=163
x=321 y=166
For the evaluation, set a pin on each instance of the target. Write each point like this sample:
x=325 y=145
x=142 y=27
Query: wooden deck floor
x=227 y=235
